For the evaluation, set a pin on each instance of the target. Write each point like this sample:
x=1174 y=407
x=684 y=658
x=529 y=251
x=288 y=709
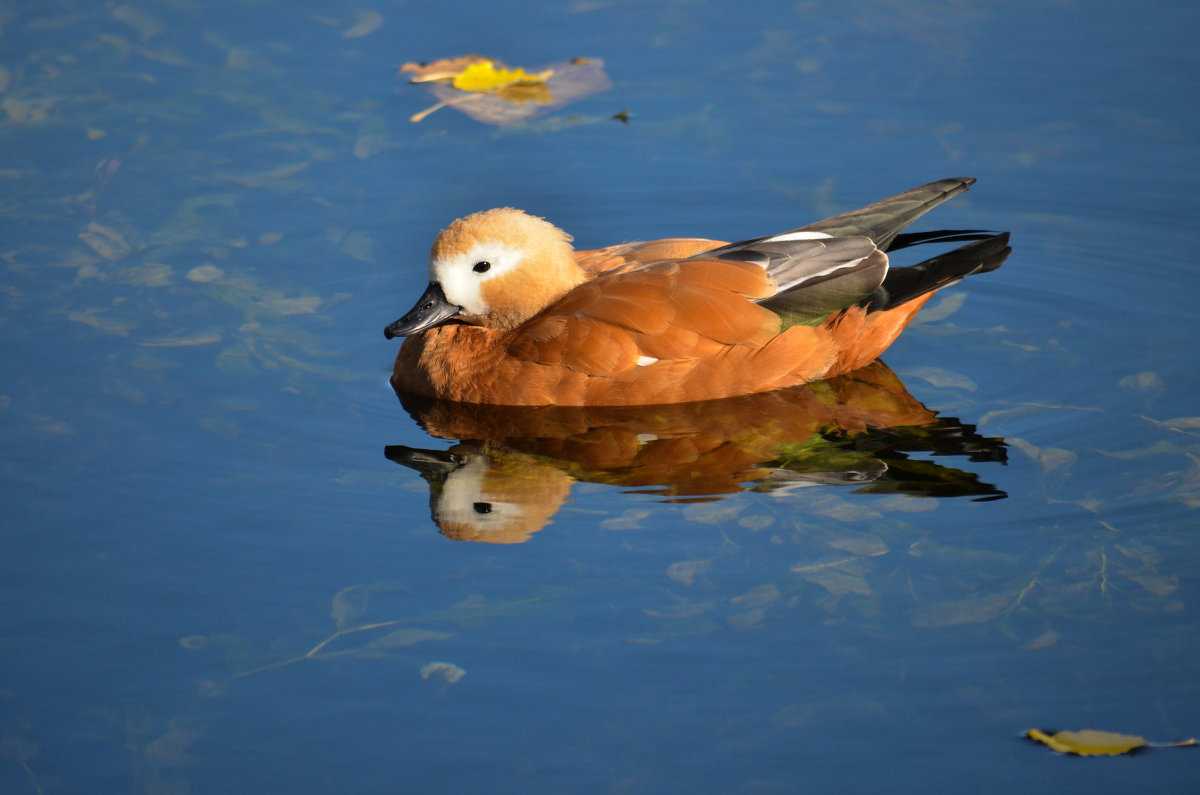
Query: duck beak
x=432 y=308
x=435 y=464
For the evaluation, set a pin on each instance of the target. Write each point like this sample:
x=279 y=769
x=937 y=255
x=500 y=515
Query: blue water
x=214 y=580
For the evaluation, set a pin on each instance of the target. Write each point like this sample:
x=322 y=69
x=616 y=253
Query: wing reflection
x=513 y=467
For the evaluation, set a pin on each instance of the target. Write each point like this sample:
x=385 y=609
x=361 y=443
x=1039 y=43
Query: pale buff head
x=503 y=266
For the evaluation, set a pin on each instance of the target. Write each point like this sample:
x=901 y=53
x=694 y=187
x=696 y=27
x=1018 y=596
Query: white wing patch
x=850 y=263
x=790 y=236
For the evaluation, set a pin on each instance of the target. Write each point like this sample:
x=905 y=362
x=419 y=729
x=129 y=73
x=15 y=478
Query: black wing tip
x=986 y=253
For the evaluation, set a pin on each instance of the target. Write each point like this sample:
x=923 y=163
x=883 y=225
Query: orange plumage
x=514 y=316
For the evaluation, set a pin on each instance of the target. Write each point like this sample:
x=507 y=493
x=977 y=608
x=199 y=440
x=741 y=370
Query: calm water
x=214 y=580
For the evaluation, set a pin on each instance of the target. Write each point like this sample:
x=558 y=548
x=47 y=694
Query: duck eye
x=482 y=507
x=483 y=266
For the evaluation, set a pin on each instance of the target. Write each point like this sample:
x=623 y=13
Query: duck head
x=495 y=269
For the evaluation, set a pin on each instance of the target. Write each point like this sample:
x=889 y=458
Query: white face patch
x=465 y=502
x=462 y=283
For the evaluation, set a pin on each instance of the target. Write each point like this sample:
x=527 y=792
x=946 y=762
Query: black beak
x=432 y=308
x=433 y=464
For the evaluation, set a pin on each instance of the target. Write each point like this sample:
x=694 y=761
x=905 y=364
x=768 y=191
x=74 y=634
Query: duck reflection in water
x=513 y=467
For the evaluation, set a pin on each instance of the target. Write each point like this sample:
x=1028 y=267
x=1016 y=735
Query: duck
x=513 y=315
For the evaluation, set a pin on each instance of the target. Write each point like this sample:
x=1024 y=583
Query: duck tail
x=986 y=253
x=884 y=220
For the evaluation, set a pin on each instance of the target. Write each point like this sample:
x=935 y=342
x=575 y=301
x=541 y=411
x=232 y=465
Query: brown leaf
x=1090 y=742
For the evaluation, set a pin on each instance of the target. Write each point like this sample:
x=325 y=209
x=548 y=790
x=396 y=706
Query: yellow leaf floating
x=483 y=76
x=441 y=70
x=1090 y=742
x=489 y=91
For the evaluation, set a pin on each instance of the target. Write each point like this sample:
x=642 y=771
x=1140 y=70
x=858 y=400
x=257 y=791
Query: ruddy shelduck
x=514 y=316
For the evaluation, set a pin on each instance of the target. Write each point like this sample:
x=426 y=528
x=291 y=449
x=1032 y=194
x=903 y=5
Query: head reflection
x=513 y=468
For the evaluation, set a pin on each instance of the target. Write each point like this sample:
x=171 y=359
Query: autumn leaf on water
x=491 y=92
x=1090 y=742
x=441 y=69
x=484 y=76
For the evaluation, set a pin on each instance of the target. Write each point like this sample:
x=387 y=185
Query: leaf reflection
x=513 y=468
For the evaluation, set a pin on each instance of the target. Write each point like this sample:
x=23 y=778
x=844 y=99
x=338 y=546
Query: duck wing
x=674 y=310
x=830 y=265
x=885 y=219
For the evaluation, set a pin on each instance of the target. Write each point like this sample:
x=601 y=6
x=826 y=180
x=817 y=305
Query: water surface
x=215 y=580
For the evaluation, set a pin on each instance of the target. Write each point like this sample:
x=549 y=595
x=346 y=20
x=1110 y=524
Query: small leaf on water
x=758 y=597
x=108 y=325
x=189 y=341
x=365 y=23
x=1090 y=742
x=839 y=583
x=203 y=274
x=348 y=604
x=1142 y=382
x=491 y=92
x=105 y=241
x=450 y=671
x=1052 y=458
x=686 y=571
